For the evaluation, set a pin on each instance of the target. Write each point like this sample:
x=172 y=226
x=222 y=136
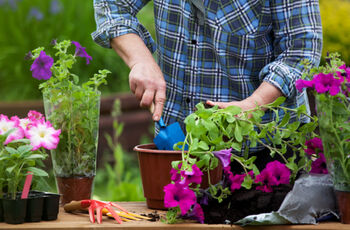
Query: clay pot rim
x=151 y=148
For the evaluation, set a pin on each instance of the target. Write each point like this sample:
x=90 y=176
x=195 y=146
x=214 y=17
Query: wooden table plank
x=80 y=221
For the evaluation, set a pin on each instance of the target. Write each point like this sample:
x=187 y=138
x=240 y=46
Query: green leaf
x=238 y=133
x=37 y=171
x=11 y=150
x=236 y=146
x=35 y=156
x=277 y=102
x=202 y=145
x=247 y=183
x=285 y=120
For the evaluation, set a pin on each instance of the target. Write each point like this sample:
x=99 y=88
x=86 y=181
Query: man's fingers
x=139 y=92
x=221 y=105
x=159 y=102
x=147 y=98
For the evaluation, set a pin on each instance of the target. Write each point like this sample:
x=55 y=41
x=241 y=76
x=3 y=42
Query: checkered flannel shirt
x=241 y=44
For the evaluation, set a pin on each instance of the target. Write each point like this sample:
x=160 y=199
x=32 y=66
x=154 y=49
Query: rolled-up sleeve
x=118 y=17
x=297 y=33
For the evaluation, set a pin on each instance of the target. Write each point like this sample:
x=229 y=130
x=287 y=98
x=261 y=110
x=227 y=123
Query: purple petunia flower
x=224 y=156
x=319 y=165
x=179 y=195
x=80 y=51
x=266 y=179
x=300 y=84
x=279 y=171
x=312 y=145
x=327 y=83
x=197 y=213
x=194 y=176
x=41 y=67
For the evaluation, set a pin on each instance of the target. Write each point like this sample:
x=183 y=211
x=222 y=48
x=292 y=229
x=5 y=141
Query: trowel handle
x=161 y=123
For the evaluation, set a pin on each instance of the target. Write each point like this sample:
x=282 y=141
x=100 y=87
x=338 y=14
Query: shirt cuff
x=281 y=76
x=103 y=36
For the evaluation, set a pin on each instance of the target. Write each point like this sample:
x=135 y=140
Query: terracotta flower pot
x=74 y=188
x=343 y=199
x=155 y=166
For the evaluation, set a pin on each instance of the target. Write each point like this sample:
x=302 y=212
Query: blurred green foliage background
x=27 y=24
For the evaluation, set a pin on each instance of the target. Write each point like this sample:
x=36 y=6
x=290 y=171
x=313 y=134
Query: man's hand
x=147 y=83
x=266 y=93
x=145 y=78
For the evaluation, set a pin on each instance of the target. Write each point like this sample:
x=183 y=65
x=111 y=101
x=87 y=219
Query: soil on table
x=242 y=203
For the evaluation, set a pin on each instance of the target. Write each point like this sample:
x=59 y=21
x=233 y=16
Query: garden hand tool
x=91 y=205
x=168 y=135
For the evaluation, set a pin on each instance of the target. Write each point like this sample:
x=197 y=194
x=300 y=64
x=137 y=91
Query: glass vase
x=76 y=113
x=334 y=126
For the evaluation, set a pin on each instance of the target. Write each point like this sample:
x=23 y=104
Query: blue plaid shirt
x=240 y=44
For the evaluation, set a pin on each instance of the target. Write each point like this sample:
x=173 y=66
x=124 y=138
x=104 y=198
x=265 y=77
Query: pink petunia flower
x=8 y=124
x=35 y=115
x=174 y=174
x=319 y=165
x=236 y=181
x=179 y=195
x=194 y=176
x=266 y=179
x=327 y=83
x=300 y=84
x=279 y=171
x=224 y=156
x=42 y=134
x=313 y=145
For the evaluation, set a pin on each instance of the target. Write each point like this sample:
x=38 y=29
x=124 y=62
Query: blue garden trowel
x=168 y=135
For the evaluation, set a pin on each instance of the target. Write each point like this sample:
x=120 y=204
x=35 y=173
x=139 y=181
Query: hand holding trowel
x=168 y=135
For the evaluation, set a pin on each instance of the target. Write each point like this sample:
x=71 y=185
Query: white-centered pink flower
x=8 y=124
x=42 y=134
x=25 y=123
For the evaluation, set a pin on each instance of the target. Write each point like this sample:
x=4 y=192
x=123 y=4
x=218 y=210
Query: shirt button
x=194 y=42
x=188 y=100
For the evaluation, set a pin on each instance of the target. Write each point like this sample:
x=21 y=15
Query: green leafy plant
x=330 y=85
x=71 y=107
x=225 y=135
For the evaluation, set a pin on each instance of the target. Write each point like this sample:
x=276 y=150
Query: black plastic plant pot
x=15 y=210
x=1 y=212
x=35 y=204
x=51 y=206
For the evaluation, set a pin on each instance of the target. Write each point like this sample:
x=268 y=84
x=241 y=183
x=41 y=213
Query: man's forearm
x=131 y=49
x=266 y=93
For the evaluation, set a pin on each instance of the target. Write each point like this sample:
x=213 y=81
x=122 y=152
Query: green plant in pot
x=74 y=109
x=224 y=135
x=22 y=150
x=330 y=85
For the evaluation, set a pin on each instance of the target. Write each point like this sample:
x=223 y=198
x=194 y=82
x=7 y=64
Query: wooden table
x=80 y=221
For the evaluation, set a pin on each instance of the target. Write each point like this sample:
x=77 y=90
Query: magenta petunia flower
x=313 y=145
x=224 y=156
x=279 y=171
x=300 y=84
x=41 y=67
x=319 y=165
x=266 y=179
x=197 y=213
x=236 y=181
x=179 y=195
x=8 y=124
x=174 y=174
x=81 y=52
x=327 y=83
x=194 y=176
x=42 y=134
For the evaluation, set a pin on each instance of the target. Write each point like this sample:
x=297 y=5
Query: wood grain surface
x=80 y=221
